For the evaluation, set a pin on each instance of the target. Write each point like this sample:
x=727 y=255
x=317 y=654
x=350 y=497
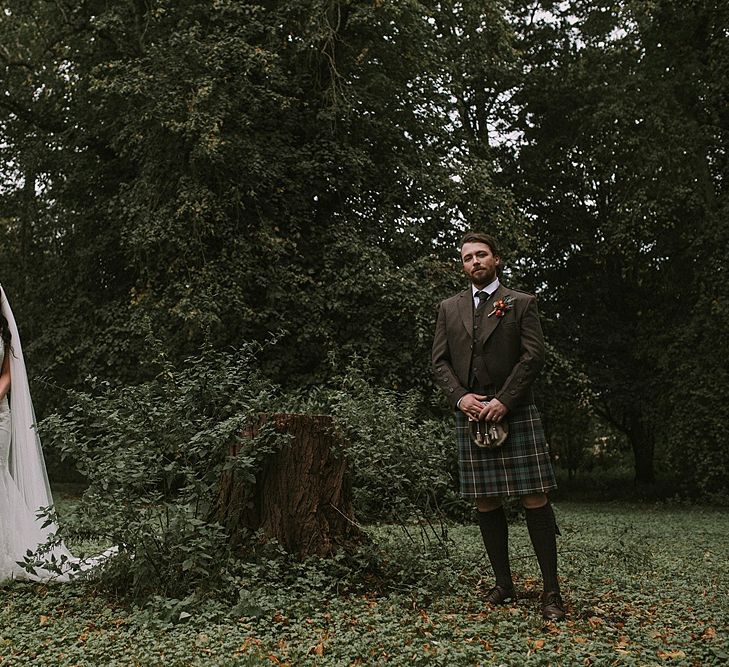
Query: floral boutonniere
x=502 y=306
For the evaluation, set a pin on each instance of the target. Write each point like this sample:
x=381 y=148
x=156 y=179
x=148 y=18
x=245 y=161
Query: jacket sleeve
x=445 y=376
x=517 y=388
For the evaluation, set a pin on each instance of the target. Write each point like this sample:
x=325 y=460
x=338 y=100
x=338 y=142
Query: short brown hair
x=481 y=237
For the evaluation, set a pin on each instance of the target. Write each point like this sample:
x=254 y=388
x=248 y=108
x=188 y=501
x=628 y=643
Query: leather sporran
x=489 y=435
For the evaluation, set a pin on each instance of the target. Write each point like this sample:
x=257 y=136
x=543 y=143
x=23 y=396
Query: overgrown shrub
x=402 y=462
x=153 y=455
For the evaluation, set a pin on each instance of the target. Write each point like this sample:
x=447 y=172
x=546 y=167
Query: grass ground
x=644 y=585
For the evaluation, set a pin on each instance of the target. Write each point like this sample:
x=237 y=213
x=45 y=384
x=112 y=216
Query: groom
x=487 y=352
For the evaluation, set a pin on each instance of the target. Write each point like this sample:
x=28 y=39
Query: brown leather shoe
x=552 y=606
x=500 y=595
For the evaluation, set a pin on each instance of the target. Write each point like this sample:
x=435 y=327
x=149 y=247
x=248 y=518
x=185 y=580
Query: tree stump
x=301 y=497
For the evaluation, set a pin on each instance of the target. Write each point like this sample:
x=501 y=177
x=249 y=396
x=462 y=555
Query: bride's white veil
x=27 y=466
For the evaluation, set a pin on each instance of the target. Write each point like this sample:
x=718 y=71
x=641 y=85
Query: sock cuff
x=495 y=517
x=542 y=517
x=493 y=512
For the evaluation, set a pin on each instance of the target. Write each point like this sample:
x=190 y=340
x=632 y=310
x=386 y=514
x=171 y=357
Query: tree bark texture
x=301 y=496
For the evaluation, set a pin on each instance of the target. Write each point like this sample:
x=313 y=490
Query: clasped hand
x=475 y=407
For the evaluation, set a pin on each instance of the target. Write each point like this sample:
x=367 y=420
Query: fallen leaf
x=668 y=655
x=709 y=633
x=250 y=641
x=44 y=619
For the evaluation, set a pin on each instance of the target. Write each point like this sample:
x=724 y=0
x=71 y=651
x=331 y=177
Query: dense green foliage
x=635 y=595
x=230 y=169
x=623 y=165
x=234 y=169
x=154 y=454
x=401 y=464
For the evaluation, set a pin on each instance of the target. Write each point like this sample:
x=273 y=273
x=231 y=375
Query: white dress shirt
x=490 y=288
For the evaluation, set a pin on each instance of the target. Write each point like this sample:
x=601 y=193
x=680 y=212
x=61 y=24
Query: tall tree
x=615 y=159
x=228 y=170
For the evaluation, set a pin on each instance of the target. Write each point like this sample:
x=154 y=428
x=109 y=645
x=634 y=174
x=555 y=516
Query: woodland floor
x=645 y=584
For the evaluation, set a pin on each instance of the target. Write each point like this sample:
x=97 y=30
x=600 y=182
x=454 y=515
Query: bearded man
x=488 y=350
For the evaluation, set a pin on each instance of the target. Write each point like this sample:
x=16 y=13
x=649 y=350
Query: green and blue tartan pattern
x=520 y=466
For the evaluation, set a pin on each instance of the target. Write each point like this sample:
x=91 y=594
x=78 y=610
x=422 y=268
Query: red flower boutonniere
x=502 y=306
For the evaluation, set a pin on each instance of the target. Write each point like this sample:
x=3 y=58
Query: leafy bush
x=154 y=454
x=402 y=462
x=694 y=439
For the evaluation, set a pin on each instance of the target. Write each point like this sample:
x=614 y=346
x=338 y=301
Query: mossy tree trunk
x=301 y=496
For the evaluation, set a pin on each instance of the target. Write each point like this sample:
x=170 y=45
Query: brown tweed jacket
x=513 y=346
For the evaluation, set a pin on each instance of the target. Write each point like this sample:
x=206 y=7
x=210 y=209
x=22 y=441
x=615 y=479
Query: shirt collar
x=491 y=288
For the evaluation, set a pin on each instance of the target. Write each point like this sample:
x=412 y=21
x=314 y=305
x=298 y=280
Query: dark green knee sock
x=543 y=534
x=495 y=535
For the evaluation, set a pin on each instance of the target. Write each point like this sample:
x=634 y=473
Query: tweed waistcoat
x=479 y=380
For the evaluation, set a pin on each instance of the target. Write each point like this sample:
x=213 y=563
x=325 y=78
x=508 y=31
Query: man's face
x=479 y=263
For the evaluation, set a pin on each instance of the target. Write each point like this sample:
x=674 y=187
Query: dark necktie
x=483 y=297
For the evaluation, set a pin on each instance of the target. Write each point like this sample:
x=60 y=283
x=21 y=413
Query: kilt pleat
x=520 y=466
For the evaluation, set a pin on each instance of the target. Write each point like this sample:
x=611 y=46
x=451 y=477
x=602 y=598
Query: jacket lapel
x=465 y=309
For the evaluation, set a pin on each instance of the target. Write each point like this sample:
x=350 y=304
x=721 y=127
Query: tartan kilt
x=519 y=467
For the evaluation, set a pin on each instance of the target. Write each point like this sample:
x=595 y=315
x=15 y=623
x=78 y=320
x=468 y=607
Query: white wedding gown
x=24 y=486
x=20 y=530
